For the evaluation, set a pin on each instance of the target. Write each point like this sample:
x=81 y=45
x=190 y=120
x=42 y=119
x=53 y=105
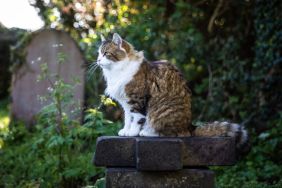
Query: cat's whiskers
x=91 y=69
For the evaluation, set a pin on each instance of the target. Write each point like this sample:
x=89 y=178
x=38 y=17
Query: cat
x=155 y=97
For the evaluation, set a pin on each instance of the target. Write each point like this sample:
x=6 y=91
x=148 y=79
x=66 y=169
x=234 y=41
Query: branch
x=201 y=2
x=214 y=15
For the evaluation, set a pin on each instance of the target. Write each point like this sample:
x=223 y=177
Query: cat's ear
x=102 y=38
x=117 y=40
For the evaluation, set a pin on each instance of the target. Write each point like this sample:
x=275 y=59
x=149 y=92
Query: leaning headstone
x=44 y=47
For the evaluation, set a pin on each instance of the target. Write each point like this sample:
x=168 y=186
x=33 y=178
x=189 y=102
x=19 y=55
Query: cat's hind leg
x=148 y=130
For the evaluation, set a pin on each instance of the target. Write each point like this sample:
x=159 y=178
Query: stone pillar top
x=162 y=153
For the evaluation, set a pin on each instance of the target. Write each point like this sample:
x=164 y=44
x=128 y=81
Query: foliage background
x=229 y=51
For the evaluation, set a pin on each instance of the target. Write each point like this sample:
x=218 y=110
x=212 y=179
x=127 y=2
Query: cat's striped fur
x=154 y=95
x=224 y=129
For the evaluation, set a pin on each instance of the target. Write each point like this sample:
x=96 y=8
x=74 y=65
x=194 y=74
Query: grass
x=4 y=120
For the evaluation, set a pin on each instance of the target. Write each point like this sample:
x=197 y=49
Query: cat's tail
x=226 y=129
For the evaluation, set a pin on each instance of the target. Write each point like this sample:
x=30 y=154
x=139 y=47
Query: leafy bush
x=258 y=168
x=58 y=151
x=44 y=158
x=4 y=121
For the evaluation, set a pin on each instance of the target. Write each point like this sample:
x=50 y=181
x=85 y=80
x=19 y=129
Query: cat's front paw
x=123 y=132
x=133 y=132
x=148 y=132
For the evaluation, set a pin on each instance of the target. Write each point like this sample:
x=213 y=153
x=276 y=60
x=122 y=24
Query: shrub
x=57 y=152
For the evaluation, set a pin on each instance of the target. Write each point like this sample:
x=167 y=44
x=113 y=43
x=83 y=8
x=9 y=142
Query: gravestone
x=44 y=47
x=162 y=162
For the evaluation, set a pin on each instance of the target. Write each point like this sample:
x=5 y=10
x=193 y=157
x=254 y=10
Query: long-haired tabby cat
x=154 y=95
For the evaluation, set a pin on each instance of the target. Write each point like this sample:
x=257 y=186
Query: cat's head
x=112 y=52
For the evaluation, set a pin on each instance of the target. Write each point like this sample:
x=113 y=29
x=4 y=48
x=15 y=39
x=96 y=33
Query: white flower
x=50 y=89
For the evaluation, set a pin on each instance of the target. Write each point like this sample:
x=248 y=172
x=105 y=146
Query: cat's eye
x=107 y=54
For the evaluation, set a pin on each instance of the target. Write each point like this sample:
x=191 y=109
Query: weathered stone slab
x=147 y=153
x=150 y=156
x=186 y=178
x=111 y=151
x=209 y=151
x=44 y=47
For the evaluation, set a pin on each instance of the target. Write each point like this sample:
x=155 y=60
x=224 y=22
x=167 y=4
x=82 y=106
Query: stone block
x=145 y=153
x=186 y=178
x=115 y=151
x=150 y=156
x=208 y=151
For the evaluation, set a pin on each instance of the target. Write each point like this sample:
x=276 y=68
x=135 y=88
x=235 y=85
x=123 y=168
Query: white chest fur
x=118 y=77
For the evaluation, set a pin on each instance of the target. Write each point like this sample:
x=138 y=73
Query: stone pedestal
x=162 y=162
x=128 y=178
